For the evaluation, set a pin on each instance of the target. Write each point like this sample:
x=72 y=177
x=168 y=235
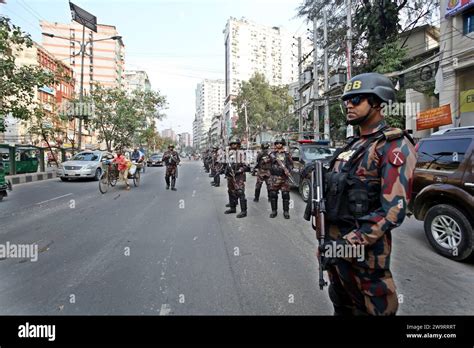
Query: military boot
x=232 y=205
x=243 y=207
x=274 y=204
x=173 y=183
x=257 y=194
x=167 y=179
x=286 y=204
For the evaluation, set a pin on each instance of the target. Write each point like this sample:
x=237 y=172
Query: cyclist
x=123 y=166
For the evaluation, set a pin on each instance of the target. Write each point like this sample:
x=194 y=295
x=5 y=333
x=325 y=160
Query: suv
x=443 y=191
x=303 y=153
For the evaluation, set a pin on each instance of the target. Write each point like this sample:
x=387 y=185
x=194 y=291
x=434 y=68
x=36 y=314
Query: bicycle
x=109 y=177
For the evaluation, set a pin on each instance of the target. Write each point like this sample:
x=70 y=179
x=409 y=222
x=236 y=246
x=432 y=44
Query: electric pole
x=326 y=79
x=350 y=129
x=300 y=93
x=316 y=77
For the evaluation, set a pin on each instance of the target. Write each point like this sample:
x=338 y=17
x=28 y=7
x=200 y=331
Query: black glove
x=328 y=252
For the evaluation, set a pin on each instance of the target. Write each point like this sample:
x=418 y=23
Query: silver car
x=86 y=164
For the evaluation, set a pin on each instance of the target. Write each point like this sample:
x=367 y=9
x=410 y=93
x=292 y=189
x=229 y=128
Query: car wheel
x=64 y=179
x=449 y=232
x=98 y=173
x=305 y=188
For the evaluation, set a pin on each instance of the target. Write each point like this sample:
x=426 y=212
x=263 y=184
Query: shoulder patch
x=397 y=158
x=393 y=133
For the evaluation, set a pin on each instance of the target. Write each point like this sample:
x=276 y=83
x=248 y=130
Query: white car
x=86 y=164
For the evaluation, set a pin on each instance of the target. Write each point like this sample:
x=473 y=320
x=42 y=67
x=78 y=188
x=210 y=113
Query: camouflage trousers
x=354 y=290
x=235 y=184
x=279 y=183
x=172 y=171
x=263 y=176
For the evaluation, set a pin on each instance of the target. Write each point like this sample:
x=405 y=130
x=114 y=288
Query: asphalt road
x=151 y=251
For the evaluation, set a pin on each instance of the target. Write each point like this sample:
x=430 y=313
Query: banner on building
x=456 y=6
x=467 y=100
x=433 y=118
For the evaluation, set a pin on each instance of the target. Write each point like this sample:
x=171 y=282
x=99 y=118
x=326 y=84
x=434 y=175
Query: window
x=444 y=155
x=468 y=22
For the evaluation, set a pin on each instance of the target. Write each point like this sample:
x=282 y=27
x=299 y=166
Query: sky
x=177 y=42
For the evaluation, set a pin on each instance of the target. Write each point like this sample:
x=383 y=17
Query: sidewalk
x=32 y=177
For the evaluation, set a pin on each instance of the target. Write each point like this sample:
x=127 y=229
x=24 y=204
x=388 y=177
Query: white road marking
x=53 y=199
x=165 y=309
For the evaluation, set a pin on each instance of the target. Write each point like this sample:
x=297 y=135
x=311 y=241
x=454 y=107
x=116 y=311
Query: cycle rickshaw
x=111 y=174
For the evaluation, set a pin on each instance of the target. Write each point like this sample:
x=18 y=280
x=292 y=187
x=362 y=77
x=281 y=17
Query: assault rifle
x=318 y=206
x=286 y=171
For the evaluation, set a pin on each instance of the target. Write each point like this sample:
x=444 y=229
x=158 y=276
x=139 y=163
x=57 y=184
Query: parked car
x=303 y=153
x=155 y=159
x=86 y=164
x=443 y=191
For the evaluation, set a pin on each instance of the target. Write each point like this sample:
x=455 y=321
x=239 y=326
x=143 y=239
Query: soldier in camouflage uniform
x=216 y=167
x=235 y=168
x=368 y=187
x=263 y=173
x=280 y=161
x=171 y=160
x=205 y=160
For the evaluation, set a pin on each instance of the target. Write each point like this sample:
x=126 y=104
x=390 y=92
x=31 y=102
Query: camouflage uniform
x=205 y=159
x=263 y=173
x=385 y=168
x=215 y=168
x=171 y=160
x=235 y=169
x=279 y=181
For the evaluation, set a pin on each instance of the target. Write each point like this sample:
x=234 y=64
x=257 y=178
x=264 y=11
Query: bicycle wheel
x=136 y=178
x=104 y=182
x=113 y=179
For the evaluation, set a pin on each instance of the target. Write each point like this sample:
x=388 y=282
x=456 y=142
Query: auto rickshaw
x=4 y=184
x=26 y=159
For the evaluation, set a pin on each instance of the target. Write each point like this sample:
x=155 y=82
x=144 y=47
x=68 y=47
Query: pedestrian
x=368 y=187
x=281 y=165
x=235 y=168
x=123 y=165
x=171 y=160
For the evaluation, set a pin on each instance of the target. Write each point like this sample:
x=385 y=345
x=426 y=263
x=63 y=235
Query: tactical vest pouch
x=335 y=186
x=357 y=197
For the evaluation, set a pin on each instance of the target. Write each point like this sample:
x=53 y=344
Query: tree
x=267 y=106
x=18 y=83
x=119 y=117
x=376 y=26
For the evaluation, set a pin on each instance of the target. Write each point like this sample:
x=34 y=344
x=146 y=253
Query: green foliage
x=121 y=118
x=267 y=107
x=18 y=83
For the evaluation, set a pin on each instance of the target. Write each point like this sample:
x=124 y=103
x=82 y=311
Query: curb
x=25 y=178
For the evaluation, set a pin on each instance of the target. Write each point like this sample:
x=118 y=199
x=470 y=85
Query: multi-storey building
x=50 y=98
x=456 y=87
x=252 y=48
x=136 y=79
x=169 y=133
x=210 y=96
x=185 y=139
x=104 y=60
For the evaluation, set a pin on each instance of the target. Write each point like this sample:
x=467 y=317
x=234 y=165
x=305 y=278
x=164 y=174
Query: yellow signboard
x=467 y=100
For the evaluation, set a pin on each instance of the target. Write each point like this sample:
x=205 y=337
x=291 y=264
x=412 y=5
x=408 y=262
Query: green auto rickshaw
x=4 y=183
x=26 y=159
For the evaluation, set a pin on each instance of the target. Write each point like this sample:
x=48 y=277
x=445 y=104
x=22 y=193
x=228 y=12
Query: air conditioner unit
x=337 y=80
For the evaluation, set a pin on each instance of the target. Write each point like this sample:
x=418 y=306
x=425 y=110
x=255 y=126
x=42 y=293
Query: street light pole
x=81 y=92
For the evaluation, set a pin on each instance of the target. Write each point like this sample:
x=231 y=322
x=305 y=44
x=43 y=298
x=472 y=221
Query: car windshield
x=86 y=157
x=316 y=152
